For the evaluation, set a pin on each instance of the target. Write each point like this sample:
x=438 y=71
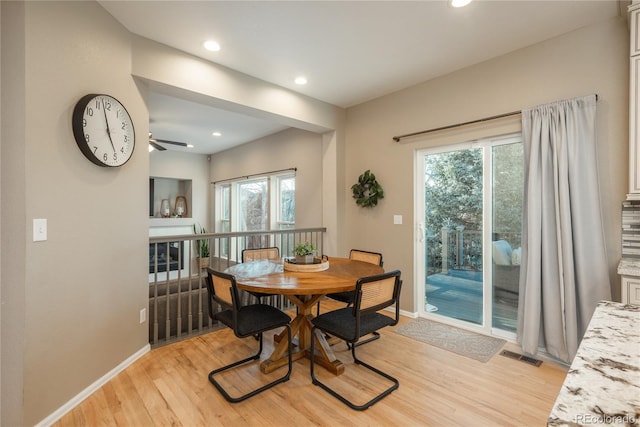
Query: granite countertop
x=629 y=267
x=603 y=383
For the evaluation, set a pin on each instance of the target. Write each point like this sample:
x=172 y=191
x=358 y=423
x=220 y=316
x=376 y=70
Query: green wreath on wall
x=367 y=190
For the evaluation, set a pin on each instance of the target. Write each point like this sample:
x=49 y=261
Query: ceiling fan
x=155 y=143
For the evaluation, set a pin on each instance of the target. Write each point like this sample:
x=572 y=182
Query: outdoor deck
x=458 y=295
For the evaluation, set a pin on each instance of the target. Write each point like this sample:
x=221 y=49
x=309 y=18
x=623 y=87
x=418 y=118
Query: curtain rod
x=254 y=174
x=422 y=132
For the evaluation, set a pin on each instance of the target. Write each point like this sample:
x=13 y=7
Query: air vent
x=522 y=358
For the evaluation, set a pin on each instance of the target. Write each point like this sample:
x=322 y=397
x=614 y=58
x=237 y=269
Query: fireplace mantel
x=172 y=227
x=170 y=222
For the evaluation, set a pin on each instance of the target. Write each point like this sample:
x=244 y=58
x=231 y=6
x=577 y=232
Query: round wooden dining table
x=304 y=289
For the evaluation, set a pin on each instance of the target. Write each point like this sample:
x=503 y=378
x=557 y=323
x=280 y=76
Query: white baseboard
x=413 y=315
x=75 y=401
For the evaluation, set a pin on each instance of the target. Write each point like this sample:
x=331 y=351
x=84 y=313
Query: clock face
x=103 y=130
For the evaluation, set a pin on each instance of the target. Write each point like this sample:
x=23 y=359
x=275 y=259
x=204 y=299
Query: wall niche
x=170 y=189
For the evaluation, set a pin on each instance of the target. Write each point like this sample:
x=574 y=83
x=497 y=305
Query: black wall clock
x=103 y=130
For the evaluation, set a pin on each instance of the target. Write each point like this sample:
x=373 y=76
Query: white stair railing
x=178 y=299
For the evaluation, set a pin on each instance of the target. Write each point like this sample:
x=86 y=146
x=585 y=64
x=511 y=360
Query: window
x=286 y=202
x=225 y=208
x=253 y=212
x=255 y=204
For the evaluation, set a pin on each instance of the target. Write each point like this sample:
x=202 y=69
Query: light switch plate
x=39 y=230
x=397 y=219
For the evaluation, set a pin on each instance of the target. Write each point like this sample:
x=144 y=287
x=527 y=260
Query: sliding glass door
x=506 y=223
x=469 y=204
x=453 y=232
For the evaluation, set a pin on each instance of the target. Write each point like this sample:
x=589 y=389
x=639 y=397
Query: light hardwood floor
x=169 y=386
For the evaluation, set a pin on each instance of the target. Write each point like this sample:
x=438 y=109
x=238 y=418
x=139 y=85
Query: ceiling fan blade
x=157 y=146
x=164 y=141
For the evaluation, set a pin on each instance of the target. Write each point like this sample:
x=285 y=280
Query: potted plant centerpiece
x=304 y=253
x=202 y=248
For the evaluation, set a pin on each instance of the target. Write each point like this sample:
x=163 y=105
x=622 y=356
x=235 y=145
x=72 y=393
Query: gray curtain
x=564 y=269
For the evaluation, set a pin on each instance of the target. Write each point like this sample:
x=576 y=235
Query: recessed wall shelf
x=168 y=188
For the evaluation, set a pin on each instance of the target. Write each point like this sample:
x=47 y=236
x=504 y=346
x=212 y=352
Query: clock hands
x=108 y=130
x=89 y=127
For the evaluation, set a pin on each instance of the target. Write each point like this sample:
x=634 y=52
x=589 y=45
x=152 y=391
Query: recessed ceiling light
x=459 y=3
x=301 y=80
x=216 y=134
x=212 y=45
x=189 y=145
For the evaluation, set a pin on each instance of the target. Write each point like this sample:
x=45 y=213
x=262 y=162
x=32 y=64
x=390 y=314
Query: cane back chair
x=372 y=294
x=246 y=321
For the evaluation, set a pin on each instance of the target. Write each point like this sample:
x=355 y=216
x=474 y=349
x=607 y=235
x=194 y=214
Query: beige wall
x=12 y=160
x=590 y=60
x=291 y=148
x=80 y=292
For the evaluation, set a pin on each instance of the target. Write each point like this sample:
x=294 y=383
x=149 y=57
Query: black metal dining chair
x=348 y=297
x=372 y=294
x=246 y=321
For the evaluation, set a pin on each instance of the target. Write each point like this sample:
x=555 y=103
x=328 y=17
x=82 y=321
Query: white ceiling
x=175 y=119
x=350 y=51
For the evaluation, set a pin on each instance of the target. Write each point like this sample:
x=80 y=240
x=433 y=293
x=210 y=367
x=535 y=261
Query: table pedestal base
x=301 y=327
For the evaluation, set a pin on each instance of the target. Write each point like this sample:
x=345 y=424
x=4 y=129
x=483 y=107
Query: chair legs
x=374 y=336
x=343 y=399
x=249 y=359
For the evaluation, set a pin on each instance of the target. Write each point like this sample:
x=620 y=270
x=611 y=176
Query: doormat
x=456 y=340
